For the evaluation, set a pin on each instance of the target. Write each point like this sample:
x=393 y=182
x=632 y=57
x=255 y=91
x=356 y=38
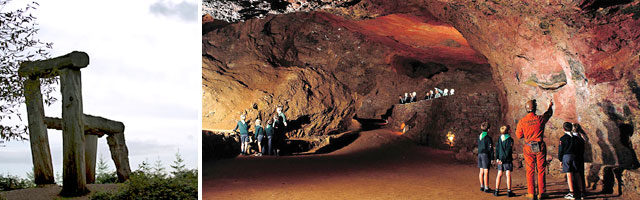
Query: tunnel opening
x=414 y=68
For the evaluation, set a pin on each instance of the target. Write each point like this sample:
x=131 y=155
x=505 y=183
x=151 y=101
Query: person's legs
x=242 y=141
x=259 y=147
x=570 y=181
x=244 y=148
x=508 y=173
x=486 y=177
x=582 y=187
x=530 y=168
x=480 y=178
x=498 y=177
x=269 y=150
x=541 y=167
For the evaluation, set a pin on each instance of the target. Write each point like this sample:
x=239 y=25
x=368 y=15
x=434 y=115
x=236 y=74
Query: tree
x=159 y=169
x=18 y=43
x=178 y=165
x=104 y=175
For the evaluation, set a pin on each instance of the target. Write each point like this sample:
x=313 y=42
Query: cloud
x=187 y=11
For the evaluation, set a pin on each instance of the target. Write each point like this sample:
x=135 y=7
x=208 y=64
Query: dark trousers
x=269 y=145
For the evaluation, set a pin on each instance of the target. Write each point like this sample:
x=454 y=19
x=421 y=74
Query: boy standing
x=566 y=154
x=485 y=155
x=269 y=133
x=259 y=132
x=504 y=159
x=243 y=127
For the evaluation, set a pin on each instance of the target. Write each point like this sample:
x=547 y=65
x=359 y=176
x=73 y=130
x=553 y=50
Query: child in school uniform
x=259 y=133
x=504 y=151
x=567 y=154
x=485 y=155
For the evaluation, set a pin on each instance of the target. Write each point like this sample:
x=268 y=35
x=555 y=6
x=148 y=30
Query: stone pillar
x=90 y=153
x=120 y=155
x=40 y=152
x=74 y=173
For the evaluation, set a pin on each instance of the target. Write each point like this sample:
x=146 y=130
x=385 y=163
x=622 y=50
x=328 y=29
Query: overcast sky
x=145 y=71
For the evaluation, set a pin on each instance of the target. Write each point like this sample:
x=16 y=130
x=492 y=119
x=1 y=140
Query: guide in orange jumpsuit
x=531 y=128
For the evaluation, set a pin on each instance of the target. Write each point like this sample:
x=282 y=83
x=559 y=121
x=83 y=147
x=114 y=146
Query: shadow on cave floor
x=339 y=142
x=370 y=124
x=347 y=138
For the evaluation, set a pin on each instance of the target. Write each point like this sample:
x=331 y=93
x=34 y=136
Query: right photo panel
x=420 y=99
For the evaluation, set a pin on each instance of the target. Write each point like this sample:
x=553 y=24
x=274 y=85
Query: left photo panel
x=99 y=99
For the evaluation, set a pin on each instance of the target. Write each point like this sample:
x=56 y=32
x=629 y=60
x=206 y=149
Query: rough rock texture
x=240 y=10
x=582 y=54
x=325 y=69
x=429 y=121
x=531 y=45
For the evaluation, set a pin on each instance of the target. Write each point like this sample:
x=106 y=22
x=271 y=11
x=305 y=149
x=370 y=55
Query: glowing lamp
x=451 y=138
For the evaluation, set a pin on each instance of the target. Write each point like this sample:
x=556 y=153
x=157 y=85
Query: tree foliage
x=18 y=43
x=152 y=182
x=104 y=175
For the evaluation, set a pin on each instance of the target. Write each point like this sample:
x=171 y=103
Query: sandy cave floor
x=379 y=164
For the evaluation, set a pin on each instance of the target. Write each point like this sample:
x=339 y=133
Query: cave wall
x=325 y=69
x=429 y=121
x=582 y=54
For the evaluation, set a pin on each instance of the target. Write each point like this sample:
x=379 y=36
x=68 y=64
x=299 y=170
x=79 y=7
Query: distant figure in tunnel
x=485 y=155
x=414 y=98
x=567 y=151
x=243 y=128
x=427 y=96
x=269 y=133
x=446 y=92
x=531 y=129
x=451 y=92
x=504 y=151
x=401 y=99
x=438 y=93
x=406 y=97
x=431 y=94
x=259 y=133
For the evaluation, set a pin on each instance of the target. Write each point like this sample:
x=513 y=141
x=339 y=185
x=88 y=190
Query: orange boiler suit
x=531 y=128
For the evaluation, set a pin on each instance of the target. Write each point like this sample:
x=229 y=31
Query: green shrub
x=9 y=182
x=103 y=175
x=153 y=183
x=142 y=185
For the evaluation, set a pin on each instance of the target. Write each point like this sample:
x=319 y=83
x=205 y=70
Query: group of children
x=408 y=98
x=503 y=156
x=570 y=153
x=269 y=134
x=411 y=97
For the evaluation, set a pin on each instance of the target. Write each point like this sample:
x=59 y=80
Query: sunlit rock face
x=325 y=69
x=582 y=54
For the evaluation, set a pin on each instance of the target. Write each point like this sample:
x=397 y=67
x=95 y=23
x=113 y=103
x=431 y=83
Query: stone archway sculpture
x=80 y=132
